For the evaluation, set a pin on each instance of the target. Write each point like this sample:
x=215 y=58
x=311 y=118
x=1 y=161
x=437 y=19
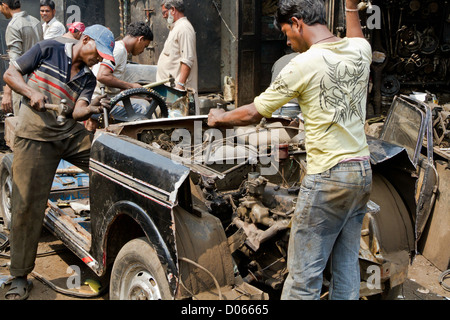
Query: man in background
x=179 y=55
x=74 y=34
x=52 y=27
x=22 y=32
x=111 y=75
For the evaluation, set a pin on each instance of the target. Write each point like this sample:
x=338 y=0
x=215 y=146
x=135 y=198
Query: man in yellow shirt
x=329 y=78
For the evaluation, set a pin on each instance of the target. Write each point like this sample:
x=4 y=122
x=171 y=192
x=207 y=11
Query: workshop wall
x=206 y=21
x=413 y=46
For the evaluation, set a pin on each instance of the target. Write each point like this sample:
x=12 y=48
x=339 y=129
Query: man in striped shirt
x=56 y=71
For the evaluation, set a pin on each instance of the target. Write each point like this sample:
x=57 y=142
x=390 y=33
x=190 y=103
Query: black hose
x=4 y=243
x=441 y=279
x=66 y=291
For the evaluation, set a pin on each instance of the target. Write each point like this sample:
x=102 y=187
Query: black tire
x=6 y=189
x=137 y=274
x=155 y=99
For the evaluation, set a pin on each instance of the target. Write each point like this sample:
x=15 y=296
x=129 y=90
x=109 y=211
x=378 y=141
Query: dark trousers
x=33 y=171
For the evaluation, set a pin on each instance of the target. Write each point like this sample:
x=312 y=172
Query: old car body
x=198 y=203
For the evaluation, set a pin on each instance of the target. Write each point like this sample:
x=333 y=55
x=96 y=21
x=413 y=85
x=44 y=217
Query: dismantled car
x=175 y=209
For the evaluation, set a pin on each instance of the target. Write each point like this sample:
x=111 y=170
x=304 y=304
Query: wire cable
x=442 y=278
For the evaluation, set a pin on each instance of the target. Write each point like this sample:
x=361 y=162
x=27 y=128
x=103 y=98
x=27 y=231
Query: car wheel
x=6 y=190
x=154 y=99
x=137 y=274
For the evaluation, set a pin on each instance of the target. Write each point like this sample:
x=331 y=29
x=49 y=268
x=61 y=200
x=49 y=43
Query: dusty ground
x=422 y=283
x=54 y=267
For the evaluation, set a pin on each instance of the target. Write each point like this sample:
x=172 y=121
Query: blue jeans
x=327 y=225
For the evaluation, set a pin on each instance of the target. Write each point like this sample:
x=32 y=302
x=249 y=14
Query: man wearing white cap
x=57 y=71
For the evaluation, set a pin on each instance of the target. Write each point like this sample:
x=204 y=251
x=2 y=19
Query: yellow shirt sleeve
x=283 y=89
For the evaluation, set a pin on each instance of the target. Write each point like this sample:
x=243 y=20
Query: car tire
x=137 y=274
x=6 y=189
x=394 y=234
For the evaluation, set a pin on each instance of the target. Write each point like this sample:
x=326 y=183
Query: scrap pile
x=441 y=128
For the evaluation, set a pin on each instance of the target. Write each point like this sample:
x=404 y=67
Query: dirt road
x=422 y=283
x=53 y=264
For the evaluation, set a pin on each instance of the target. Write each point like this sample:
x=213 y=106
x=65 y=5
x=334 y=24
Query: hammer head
x=62 y=110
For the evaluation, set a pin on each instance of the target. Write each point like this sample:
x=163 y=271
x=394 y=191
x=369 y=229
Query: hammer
x=105 y=111
x=61 y=109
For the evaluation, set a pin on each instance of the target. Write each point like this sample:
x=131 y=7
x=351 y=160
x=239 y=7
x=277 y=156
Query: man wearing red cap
x=76 y=30
x=56 y=71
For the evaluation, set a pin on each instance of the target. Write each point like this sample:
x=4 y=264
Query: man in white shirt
x=111 y=75
x=179 y=56
x=52 y=27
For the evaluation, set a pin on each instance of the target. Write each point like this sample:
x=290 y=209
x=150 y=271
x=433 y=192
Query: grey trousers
x=34 y=167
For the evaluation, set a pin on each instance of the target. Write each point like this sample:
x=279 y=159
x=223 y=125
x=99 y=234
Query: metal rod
x=105 y=111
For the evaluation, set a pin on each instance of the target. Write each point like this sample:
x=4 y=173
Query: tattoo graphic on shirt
x=280 y=86
x=343 y=89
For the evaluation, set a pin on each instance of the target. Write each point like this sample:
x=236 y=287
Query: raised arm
x=354 y=29
x=106 y=76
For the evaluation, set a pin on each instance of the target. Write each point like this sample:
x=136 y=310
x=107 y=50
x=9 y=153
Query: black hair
x=12 y=4
x=310 y=11
x=47 y=3
x=138 y=29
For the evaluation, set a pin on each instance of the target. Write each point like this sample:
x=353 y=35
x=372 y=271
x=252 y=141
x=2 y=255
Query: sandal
x=20 y=289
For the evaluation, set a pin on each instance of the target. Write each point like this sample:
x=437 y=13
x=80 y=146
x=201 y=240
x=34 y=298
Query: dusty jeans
x=327 y=224
x=33 y=170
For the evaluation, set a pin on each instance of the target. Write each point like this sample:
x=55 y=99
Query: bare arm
x=7 y=99
x=106 y=76
x=184 y=74
x=354 y=29
x=83 y=110
x=14 y=80
x=241 y=116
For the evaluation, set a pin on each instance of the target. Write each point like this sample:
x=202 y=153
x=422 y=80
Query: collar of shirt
x=68 y=47
x=51 y=21
x=174 y=24
x=19 y=14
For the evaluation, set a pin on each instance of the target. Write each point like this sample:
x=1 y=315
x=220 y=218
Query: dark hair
x=177 y=4
x=310 y=11
x=48 y=3
x=12 y=4
x=138 y=29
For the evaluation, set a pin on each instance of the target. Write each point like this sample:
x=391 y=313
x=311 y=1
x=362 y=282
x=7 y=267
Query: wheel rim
x=6 y=199
x=154 y=100
x=139 y=284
